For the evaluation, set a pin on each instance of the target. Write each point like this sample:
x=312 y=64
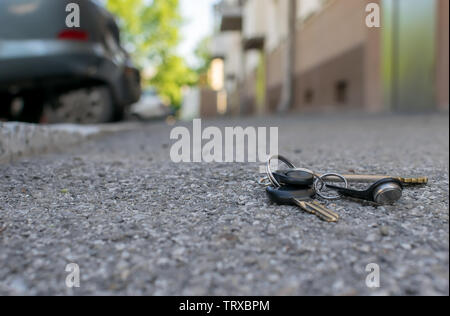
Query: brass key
x=319 y=210
x=373 y=178
x=302 y=198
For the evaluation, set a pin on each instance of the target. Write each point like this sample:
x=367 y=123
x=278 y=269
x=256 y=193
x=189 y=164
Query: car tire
x=119 y=113
x=85 y=106
x=5 y=106
x=32 y=109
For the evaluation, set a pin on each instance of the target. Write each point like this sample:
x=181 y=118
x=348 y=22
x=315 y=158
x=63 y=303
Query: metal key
x=304 y=199
x=373 y=178
x=319 y=210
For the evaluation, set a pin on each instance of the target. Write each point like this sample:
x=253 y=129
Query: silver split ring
x=321 y=182
x=269 y=171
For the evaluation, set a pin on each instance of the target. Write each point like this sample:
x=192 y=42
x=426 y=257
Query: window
x=309 y=96
x=341 y=92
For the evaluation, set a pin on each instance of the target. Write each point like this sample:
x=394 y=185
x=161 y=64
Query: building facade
x=340 y=63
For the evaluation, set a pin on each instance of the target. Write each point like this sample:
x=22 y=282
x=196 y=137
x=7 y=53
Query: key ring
x=265 y=181
x=319 y=178
x=269 y=171
x=320 y=181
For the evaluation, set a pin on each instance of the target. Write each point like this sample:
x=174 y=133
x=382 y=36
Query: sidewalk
x=138 y=224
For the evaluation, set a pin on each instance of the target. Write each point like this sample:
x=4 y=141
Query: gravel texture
x=138 y=224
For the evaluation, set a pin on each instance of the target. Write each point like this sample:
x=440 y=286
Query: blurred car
x=42 y=61
x=151 y=107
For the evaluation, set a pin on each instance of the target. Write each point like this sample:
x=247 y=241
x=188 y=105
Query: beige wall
x=276 y=24
x=208 y=103
x=248 y=94
x=333 y=46
x=255 y=21
x=233 y=56
x=337 y=83
x=331 y=50
x=307 y=8
x=338 y=28
x=274 y=66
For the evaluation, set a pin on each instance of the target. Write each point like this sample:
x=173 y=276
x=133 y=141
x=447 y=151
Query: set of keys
x=302 y=187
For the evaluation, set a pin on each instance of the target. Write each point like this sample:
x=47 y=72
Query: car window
x=150 y=92
x=115 y=32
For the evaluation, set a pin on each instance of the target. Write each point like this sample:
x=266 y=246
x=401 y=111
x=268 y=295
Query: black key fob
x=286 y=194
x=385 y=191
x=294 y=177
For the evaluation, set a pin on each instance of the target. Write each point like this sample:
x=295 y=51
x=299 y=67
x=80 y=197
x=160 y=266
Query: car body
x=151 y=106
x=42 y=58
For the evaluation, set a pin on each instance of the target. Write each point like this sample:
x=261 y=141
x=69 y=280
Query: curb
x=20 y=139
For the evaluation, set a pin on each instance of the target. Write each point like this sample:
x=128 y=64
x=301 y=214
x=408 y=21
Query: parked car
x=151 y=106
x=42 y=61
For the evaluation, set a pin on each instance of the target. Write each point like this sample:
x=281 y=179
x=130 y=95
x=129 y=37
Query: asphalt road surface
x=138 y=224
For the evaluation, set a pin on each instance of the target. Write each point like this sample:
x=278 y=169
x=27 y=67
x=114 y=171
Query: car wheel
x=30 y=108
x=119 y=114
x=86 y=106
x=5 y=107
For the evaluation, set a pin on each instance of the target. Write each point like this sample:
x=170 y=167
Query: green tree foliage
x=171 y=75
x=150 y=31
x=203 y=54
